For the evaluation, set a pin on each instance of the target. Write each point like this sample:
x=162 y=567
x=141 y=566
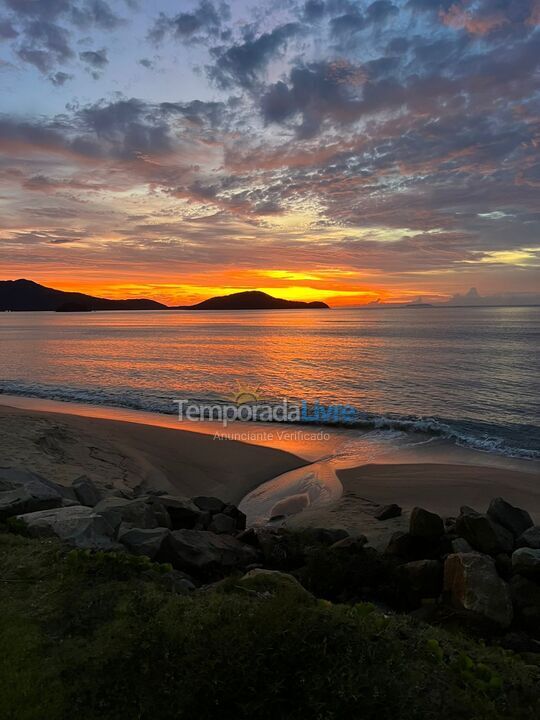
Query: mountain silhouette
x=252 y=300
x=27 y=295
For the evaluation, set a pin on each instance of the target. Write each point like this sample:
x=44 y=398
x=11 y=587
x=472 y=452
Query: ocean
x=469 y=375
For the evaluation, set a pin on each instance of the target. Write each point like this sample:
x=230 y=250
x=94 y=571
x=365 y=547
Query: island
x=26 y=295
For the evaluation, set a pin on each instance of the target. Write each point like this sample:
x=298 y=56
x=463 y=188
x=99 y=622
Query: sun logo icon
x=246 y=394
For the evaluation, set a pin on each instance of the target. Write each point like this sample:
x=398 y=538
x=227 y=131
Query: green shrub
x=82 y=644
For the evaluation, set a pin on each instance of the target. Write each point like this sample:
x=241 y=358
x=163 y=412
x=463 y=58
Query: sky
x=340 y=150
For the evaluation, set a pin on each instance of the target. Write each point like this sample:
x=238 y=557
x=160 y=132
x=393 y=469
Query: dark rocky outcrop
x=79 y=526
x=425 y=524
x=512 y=518
x=143 y=541
x=483 y=533
x=204 y=554
x=22 y=491
x=387 y=512
x=530 y=538
x=472 y=582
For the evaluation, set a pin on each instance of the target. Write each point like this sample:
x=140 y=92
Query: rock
x=387 y=512
x=139 y=513
x=424 y=524
x=526 y=562
x=86 y=491
x=322 y=536
x=503 y=563
x=350 y=544
x=530 y=538
x=80 y=526
x=421 y=579
x=205 y=554
x=209 y=504
x=143 y=542
x=473 y=585
x=405 y=548
x=273 y=582
x=280 y=548
x=460 y=545
x=512 y=518
x=178 y=582
x=483 y=533
x=22 y=491
x=184 y=514
x=526 y=599
x=237 y=515
x=222 y=524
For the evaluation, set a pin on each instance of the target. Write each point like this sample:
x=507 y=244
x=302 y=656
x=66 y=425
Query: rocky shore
x=478 y=570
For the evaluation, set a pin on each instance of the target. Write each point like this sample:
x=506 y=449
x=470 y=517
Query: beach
x=128 y=452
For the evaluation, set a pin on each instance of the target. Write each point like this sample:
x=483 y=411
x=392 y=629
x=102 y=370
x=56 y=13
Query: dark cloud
x=7 y=31
x=204 y=22
x=314 y=10
x=97 y=59
x=240 y=64
x=381 y=10
x=40 y=30
x=60 y=78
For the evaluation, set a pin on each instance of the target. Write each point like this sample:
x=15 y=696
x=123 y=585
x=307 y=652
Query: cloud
x=7 y=30
x=60 y=78
x=203 y=23
x=41 y=31
x=240 y=64
x=97 y=59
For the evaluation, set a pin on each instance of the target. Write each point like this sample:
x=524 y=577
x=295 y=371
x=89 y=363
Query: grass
x=102 y=638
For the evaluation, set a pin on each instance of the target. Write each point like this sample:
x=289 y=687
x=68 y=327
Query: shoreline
x=312 y=482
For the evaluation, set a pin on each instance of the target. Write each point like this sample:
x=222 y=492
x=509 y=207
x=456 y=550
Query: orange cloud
x=460 y=18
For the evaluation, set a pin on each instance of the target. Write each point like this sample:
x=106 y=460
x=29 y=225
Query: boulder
x=22 y=491
x=420 y=579
x=404 y=547
x=425 y=524
x=86 y=491
x=512 y=518
x=483 y=533
x=237 y=515
x=79 y=526
x=222 y=524
x=178 y=582
x=526 y=562
x=280 y=548
x=526 y=599
x=473 y=585
x=205 y=554
x=350 y=544
x=183 y=513
x=143 y=542
x=387 y=512
x=322 y=536
x=209 y=504
x=460 y=545
x=530 y=538
x=141 y=513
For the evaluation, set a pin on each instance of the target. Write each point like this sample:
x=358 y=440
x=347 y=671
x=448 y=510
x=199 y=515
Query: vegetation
x=91 y=637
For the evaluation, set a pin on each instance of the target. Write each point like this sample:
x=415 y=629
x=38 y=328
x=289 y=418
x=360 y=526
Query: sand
x=439 y=487
x=120 y=454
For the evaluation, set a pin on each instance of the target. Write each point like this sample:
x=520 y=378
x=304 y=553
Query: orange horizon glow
x=283 y=284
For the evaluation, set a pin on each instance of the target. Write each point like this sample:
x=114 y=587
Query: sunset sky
x=331 y=149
